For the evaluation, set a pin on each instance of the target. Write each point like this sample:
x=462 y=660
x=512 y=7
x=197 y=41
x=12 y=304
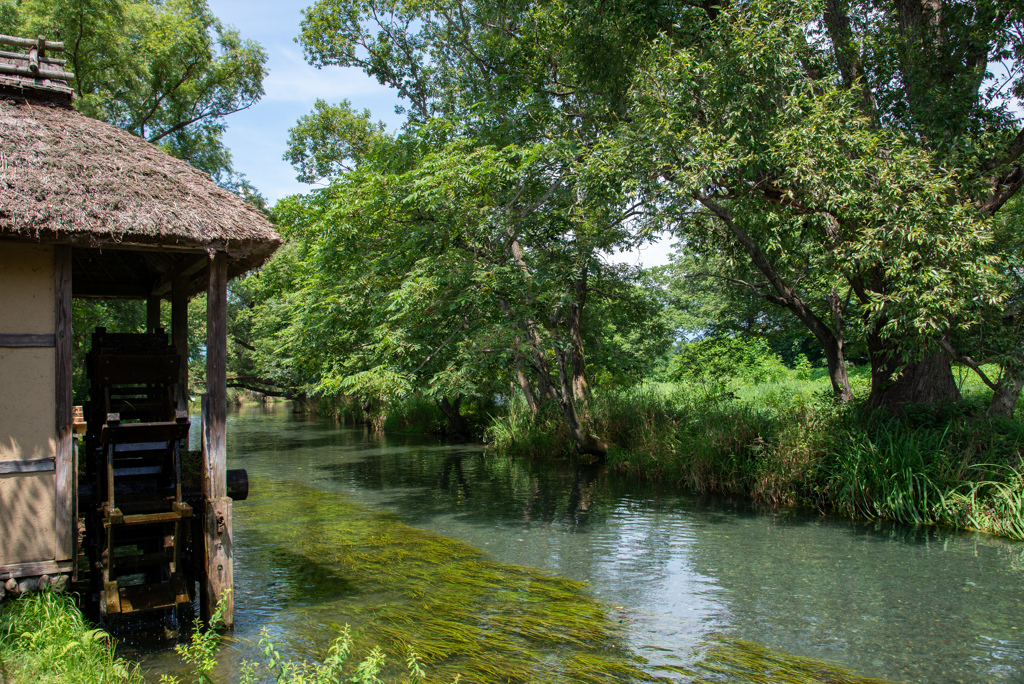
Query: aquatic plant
x=408 y=590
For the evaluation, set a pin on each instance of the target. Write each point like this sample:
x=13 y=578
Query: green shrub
x=716 y=358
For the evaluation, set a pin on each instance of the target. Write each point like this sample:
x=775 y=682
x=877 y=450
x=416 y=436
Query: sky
x=258 y=136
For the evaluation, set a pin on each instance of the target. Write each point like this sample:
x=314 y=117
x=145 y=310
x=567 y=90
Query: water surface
x=671 y=572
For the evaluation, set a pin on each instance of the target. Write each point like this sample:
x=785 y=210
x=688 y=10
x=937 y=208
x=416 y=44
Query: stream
x=576 y=574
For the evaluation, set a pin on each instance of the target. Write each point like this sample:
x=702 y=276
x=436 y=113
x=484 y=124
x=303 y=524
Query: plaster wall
x=27 y=517
x=27 y=404
x=27 y=300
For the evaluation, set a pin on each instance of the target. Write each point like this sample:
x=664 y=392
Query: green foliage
x=43 y=638
x=718 y=358
x=331 y=140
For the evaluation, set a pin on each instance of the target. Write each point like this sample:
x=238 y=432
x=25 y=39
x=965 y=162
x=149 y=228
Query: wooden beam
x=52 y=74
x=17 y=570
x=42 y=60
x=51 y=45
x=179 y=336
x=27 y=465
x=217 y=374
x=67 y=524
x=27 y=340
x=219 y=575
x=152 y=314
x=220 y=570
x=186 y=270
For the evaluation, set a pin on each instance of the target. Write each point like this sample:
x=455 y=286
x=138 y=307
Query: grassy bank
x=45 y=639
x=785 y=442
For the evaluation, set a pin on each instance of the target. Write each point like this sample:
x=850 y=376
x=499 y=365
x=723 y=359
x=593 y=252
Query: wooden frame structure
x=88 y=210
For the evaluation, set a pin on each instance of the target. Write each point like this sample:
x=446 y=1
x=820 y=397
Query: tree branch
x=969 y=362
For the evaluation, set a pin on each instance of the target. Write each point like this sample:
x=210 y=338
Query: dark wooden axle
x=237 y=482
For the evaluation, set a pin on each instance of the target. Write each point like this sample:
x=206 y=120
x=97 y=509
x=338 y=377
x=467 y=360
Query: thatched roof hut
x=90 y=210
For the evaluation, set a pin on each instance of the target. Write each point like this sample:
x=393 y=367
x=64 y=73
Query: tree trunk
x=926 y=381
x=524 y=385
x=586 y=443
x=580 y=386
x=1004 y=400
x=458 y=428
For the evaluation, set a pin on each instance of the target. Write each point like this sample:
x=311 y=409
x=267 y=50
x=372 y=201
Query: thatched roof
x=70 y=179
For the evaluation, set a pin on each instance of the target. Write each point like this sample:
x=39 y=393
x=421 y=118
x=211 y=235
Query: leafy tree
x=435 y=280
x=840 y=156
x=168 y=71
x=500 y=227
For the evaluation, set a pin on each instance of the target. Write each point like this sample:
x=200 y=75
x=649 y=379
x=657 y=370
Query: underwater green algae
x=402 y=588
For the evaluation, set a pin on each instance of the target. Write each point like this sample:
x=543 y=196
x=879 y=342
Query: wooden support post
x=217 y=372
x=220 y=569
x=219 y=579
x=152 y=314
x=179 y=336
x=65 y=476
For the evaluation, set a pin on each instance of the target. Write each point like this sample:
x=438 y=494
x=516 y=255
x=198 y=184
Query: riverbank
x=786 y=443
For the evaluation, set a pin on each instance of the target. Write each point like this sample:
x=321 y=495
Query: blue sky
x=257 y=137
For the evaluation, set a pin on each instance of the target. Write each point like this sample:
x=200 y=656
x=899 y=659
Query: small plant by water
x=337 y=667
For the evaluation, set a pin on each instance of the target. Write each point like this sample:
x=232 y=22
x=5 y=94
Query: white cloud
x=291 y=79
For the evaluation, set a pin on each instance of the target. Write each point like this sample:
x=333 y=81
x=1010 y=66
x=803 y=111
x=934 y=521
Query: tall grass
x=44 y=638
x=518 y=431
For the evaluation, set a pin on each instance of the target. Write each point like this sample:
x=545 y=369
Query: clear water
x=909 y=604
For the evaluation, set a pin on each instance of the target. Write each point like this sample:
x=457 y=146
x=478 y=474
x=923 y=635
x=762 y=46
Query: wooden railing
x=34 y=64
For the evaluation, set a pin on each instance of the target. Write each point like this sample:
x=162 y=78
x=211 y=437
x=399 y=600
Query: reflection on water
x=908 y=604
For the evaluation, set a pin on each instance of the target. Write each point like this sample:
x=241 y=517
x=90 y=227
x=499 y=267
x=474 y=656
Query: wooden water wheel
x=137 y=535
